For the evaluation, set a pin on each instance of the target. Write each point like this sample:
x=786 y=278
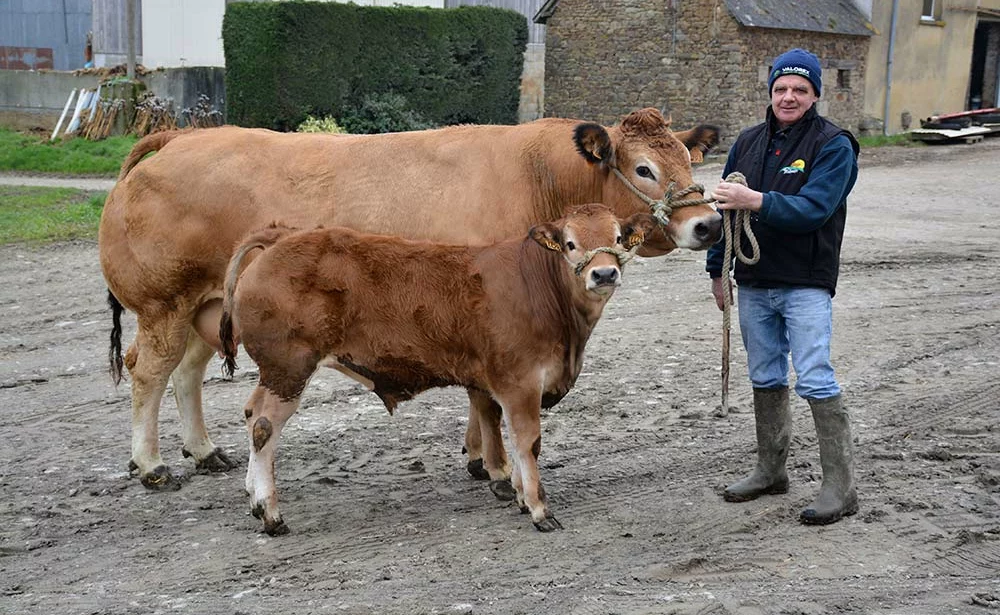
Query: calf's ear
x=699 y=140
x=593 y=143
x=635 y=229
x=547 y=236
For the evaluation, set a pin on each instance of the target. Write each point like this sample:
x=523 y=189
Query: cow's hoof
x=524 y=509
x=548 y=524
x=476 y=470
x=217 y=461
x=275 y=528
x=160 y=479
x=503 y=490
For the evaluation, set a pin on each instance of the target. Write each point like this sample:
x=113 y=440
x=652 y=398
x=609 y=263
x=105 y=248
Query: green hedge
x=287 y=60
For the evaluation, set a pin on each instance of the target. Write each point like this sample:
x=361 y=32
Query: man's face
x=791 y=97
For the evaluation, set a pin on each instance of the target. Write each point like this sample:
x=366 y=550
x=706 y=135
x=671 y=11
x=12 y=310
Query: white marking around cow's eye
x=654 y=170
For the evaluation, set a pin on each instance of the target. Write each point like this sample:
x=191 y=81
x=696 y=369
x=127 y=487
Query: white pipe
x=93 y=104
x=81 y=101
x=63 y=116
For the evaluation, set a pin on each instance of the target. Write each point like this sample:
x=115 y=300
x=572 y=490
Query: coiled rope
x=734 y=223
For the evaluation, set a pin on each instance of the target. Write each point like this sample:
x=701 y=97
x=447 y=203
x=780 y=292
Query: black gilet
x=790 y=259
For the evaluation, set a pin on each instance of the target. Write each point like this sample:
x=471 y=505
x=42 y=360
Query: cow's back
x=178 y=214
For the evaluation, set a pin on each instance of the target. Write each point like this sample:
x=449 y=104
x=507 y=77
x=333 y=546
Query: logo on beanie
x=799 y=166
x=791 y=70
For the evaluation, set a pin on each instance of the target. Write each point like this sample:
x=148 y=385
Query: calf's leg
x=266 y=415
x=522 y=413
x=493 y=463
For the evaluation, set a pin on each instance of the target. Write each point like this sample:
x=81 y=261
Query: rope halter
x=622 y=255
x=663 y=208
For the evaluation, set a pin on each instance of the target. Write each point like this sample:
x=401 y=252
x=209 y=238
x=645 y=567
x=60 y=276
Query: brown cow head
x=651 y=157
x=596 y=244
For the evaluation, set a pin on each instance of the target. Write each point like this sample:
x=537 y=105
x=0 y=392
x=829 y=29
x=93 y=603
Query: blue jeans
x=777 y=321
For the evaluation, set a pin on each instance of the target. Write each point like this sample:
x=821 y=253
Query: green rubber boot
x=773 y=420
x=837 y=497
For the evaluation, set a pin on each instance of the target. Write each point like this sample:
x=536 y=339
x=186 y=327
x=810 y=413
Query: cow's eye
x=618 y=239
x=570 y=246
x=644 y=171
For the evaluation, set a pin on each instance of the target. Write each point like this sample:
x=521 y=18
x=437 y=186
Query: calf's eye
x=618 y=239
x=570 y=246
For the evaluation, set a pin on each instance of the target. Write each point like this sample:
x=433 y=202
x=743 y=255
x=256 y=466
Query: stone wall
x=691 y=59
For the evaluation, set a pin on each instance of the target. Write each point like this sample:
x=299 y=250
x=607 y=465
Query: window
x=843 y=79
x=931 y=10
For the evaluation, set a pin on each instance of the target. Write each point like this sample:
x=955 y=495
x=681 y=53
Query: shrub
x=321 y=124
x=384 y=113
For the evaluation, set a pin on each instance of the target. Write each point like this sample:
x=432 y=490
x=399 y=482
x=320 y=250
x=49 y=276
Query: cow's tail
x=147 y=144
x=258 y=240
x=115 y=352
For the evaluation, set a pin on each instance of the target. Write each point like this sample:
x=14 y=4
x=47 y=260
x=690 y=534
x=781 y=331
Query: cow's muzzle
x=604 y=279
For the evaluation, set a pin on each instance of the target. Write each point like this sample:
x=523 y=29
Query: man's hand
x=717 y=291
x=737 y=196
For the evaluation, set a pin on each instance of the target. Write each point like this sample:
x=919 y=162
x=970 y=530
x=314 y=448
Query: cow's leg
x=522 y=413
x=158 y=349
x=493 y=461
x=474 y=440
x=188 y=379
x=266 y=415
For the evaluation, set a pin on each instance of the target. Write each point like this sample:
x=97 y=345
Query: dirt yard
x=385 y=520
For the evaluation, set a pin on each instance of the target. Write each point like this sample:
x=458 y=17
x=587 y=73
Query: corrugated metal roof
x=830 y=16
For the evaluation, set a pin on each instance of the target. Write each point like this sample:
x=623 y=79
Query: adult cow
x=171 y=223
x=510 y=321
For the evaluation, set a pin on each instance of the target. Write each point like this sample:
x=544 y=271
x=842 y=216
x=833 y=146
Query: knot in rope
x=662 y=209
x=623 y=257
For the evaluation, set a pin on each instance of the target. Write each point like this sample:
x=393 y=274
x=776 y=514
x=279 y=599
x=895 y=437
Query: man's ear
x=593 y=143
x=547 y=235
x=636 y=228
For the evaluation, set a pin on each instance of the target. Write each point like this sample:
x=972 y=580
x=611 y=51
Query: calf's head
x=596 y=245
x=643 y=161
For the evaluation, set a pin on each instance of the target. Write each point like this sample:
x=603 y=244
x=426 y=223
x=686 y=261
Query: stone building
x=700 y=61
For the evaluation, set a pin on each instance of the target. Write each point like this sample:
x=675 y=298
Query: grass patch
x=902 y=139
x=40 y=215
x=33 y=153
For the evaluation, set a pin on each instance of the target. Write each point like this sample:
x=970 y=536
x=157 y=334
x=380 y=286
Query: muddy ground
x=385 y=519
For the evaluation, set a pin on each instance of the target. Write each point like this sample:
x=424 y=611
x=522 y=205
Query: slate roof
x=829 y=16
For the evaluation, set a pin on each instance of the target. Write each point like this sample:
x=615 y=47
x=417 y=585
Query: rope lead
x=734 y=222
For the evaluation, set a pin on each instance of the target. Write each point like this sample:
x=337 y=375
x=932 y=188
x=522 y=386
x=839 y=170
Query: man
x=799 y=169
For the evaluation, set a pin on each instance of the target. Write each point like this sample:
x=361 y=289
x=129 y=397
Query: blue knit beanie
x=797 y=62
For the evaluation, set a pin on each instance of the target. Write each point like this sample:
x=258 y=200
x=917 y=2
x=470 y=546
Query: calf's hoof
x=160 y=479
x=503 y=490
x=275 y=528
x=476 y=470
x=217 y=461
x=548 y=524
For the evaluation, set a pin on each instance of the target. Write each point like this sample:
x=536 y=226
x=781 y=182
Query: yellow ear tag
x=552 y=245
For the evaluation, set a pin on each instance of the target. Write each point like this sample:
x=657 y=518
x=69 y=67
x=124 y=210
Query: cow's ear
x=636 y=228
x=699 y=140
x=548 y=236
x=593 y=143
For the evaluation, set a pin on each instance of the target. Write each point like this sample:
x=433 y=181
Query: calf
x=509 y=321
